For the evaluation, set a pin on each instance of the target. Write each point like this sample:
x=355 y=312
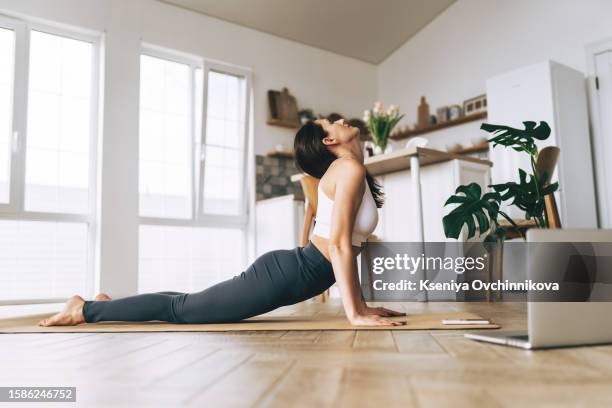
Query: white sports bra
x=365 y=220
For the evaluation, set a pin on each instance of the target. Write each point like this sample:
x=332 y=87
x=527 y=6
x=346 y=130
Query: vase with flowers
x=381 y=123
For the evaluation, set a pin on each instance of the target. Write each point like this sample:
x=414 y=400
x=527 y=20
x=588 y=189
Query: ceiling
x=368 y=30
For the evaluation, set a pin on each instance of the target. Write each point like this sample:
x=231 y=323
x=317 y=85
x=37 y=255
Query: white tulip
x=393 y=110
x=366 y=115
x=378 y=106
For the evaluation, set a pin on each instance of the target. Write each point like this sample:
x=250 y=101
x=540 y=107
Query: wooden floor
x=311 y=369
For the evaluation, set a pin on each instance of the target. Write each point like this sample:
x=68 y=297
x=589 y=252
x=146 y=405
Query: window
x=7 y=60
x=224 y=147
x=166 y=138
x=193 y=127
x=48 y=82
x=59 y=105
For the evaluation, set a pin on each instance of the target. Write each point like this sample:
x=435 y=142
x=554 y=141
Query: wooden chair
x=546 y=163
x=310 y=187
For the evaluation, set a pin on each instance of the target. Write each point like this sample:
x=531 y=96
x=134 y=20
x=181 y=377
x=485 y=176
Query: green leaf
x=455 y=200
x=528 y=194
x=521 y=140
x=549 y=189
x=472 y=209
x=483 y=221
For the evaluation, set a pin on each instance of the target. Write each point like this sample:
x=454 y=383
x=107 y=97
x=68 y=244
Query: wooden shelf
x=433 y=128
x=477 y=148
x=277 y=122
x=400 y=159
x=285 y=154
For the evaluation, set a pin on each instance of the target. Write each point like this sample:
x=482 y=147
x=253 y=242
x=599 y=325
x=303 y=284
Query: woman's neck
x=353 y=151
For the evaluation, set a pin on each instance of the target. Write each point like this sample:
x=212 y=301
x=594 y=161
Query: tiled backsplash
x=273 y=177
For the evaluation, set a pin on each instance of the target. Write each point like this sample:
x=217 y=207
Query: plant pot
x=379 y=150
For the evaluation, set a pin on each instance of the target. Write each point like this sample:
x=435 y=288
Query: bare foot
x=71 y=315
x=102 y=297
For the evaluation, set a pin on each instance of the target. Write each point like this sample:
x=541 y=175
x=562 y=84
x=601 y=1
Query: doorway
x=600 y=87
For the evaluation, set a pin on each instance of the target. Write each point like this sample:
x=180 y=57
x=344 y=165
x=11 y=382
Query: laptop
x=558 y=324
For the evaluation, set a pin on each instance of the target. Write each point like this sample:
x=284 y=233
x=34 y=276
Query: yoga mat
x=426 y=321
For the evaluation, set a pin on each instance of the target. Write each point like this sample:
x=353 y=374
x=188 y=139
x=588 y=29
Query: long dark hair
x=314 y=158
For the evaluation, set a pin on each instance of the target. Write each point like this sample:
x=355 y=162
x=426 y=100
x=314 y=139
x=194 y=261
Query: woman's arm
x=347 y=200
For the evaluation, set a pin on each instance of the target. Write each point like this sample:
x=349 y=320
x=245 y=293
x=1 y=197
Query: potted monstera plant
x=481 y=212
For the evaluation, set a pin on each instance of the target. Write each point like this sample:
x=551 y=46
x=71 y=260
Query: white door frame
x=597 y=136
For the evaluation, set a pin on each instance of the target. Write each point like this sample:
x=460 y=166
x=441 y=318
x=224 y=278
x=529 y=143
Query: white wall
x=450 y=59
x=319 y=79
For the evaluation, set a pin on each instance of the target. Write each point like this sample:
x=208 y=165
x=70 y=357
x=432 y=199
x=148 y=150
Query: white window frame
x=19 y=118
x=15 y=209
x=242 y=218
x=198 y=218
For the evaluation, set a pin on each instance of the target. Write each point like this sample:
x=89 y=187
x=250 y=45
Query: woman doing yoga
x=346 y=215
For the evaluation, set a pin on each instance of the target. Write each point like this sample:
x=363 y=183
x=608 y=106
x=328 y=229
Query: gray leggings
x=277 y=278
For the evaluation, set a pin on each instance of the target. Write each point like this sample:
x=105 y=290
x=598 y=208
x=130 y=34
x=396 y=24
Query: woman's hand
x=373 y=320
x=381 y=311
x=375 y=316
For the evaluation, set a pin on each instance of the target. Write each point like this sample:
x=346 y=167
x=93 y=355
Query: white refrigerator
x=551 y=92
